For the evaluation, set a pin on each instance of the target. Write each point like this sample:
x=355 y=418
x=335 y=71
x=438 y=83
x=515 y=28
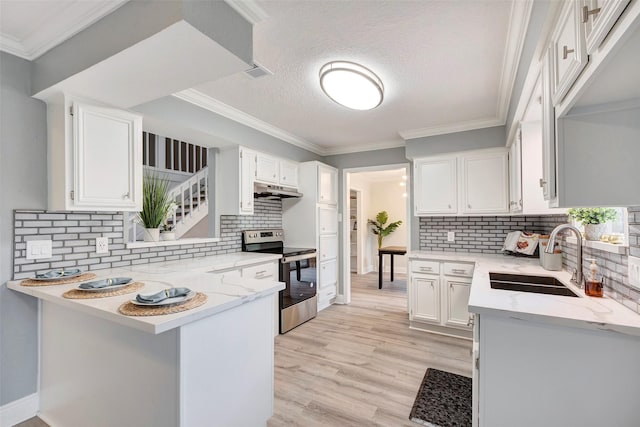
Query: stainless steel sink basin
x=535 y=284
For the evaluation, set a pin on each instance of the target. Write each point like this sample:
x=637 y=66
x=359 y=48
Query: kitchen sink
x=536 y=284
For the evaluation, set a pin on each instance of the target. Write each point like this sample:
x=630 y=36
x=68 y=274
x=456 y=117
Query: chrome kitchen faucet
x=552 y=243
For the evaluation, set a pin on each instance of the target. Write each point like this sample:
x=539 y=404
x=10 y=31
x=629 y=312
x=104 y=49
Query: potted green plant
x=155 y=204
x=593 y=219
x=378 y=226
x=168 y=229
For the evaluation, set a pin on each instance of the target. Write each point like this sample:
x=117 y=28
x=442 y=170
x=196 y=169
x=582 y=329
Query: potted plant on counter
x=378 y=226
x=155 y=204
x=593 y=219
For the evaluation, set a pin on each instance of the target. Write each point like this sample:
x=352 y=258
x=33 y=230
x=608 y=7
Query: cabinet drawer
x=328 y=274
x=327 y=293
x=328 y=248
x=260 y=271
x=426 y=267
x=458 y=269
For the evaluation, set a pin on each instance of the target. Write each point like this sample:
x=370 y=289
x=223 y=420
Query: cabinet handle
x=566 y=51
x=586 y=13
x=126 y=195
x=458 y=270
x=543 y=182
x=520 y=202
x=426 y=268
x=451 y=286
x=449 y=206
x=284 y=178
x=274 y=175
x=469 y=206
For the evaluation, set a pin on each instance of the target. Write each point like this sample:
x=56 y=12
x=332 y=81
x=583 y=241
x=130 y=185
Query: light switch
x=39 y=249
x=451 y=236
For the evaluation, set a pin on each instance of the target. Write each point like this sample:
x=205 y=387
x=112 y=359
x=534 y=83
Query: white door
x=267 y=168
x=457 y=302
x=327 y=185
x=107 y=158
x=598 y=17
x=288 y=174
x=247 y=176
x=435 y=186
x=485 y=182
x=426 y=298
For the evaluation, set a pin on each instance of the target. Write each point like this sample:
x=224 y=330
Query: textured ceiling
x=441 y=63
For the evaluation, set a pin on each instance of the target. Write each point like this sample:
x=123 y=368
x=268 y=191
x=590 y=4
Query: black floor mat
x=444 y=400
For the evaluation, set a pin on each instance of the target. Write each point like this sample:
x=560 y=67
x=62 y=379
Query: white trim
x=19 y=410
x=450 y=128
x=359 y=148
x=249 y=10
x=188 y=241
x=516 y=35
x=602 y=246
x=208 y=103
x=57 y=31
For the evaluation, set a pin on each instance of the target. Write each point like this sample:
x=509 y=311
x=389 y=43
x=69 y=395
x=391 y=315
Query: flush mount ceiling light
x=351 y=85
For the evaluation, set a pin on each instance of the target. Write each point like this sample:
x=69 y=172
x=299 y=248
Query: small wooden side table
x=391 y=250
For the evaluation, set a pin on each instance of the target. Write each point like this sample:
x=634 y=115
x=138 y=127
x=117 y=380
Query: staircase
x=192 y=199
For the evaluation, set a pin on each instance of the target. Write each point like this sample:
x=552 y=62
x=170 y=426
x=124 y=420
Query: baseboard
x=19 y=410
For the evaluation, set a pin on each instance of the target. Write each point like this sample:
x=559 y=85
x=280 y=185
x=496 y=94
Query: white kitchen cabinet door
x=327 y=220
x=425 y=305
x=548 y=180
x=435 y=186
x=515 y=175
x=569 y=51
x=327 y=185
x=485 y=183
x=107 y=159
x=328 y=274
x=288 y=174
x=266 y=271
x=457 y=302
x=328 y=247
x=247 y=177
x=598 y=17
x=267 y=169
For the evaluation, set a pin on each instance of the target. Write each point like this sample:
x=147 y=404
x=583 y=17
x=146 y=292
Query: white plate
x=126 y=282
x=58 y=274
x=168 y=301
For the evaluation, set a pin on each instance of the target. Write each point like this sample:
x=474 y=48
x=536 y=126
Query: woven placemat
x=80 y=294
x=81 y=278
x=130 y=309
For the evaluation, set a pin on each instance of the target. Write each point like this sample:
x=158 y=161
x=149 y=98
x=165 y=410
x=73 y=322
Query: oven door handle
x=286 y=260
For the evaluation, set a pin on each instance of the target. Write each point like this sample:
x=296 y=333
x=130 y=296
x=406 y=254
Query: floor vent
x=258 y=71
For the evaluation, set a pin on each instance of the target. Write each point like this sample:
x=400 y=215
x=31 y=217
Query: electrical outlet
x=634 y=271
x=451 y=236
x=39 y=249
x=102 y=245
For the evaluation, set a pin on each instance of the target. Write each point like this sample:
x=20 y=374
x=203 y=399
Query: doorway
x=367 y=191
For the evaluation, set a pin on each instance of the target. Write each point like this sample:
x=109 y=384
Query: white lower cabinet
x=438 y=300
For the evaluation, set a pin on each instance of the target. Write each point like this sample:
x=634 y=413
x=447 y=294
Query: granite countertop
x=585 y=312
x=223 y=292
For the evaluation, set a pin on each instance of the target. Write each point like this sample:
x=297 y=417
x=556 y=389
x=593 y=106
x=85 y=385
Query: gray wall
x=23 y=184
x=135 y=21
x=459 y=141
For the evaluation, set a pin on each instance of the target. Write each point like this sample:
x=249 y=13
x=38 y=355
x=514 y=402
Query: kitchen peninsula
x=199 y=367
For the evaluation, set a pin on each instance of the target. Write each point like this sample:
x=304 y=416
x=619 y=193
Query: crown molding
x=208 y=103
x=249 y=10
x=451 y=128
x=359 y=148
x=55 y=31
x=516 y=35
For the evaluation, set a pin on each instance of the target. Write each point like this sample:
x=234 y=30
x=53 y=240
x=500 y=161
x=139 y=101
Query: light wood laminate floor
x=357 y=364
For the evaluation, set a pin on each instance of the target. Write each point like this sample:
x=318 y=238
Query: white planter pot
x=151 y=234
x=594 y=231
x=168 y=235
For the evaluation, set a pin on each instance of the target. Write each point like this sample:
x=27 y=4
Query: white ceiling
x=446 y=65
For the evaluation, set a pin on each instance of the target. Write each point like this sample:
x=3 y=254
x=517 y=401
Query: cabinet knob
x=126 y=195
x=284 y=178
x=449 y=206
x=469 y=206
x=586 y=13
x=566 y=51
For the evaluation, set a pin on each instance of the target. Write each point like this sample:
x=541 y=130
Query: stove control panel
x=262 y=236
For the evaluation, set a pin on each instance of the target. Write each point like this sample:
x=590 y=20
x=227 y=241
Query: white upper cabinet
x=569 y=52
x=288 y=173
x=548 y=180
x=598 y=17
x=485 y=181
x=267 y=168
x=327 y=185
x=515 y=175
x=236 y=168
x=435 y=186
x=95 y=158
x=247 y=173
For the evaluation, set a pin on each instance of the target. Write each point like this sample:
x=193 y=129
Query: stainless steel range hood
x=274 y=192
